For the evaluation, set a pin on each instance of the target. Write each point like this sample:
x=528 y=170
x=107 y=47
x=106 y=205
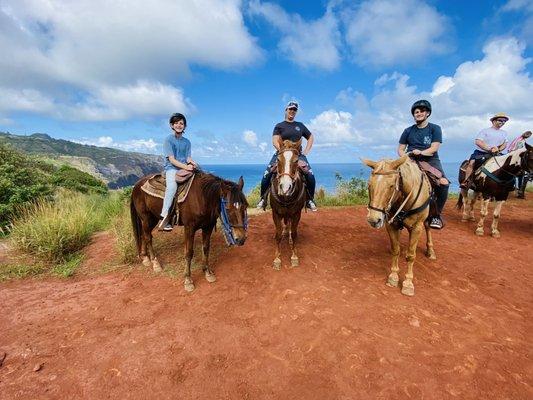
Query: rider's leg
x=441 y=194
x=311 y=184
x=265 y=180
x=170 y=192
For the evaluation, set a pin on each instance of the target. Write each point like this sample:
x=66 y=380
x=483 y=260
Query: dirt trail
x=329 y=329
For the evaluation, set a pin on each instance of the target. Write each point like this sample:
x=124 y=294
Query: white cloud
x=462 y=104
x=525 y=6
x=103 y=50
x=250 y=137
x=306 y=43
x=388 y=32
x=138 y=145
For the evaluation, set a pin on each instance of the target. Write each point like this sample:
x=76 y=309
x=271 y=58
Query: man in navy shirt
x=291 y=130
x=422 y=140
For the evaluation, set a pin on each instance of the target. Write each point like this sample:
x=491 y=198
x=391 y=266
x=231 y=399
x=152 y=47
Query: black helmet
x=177 y=117
x=422 y=104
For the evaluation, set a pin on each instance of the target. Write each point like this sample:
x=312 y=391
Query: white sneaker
x=311 y=205
x=261 y=204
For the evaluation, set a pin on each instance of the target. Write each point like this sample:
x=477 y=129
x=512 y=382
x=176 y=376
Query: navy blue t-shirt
x=292 y=131
x=421 y=139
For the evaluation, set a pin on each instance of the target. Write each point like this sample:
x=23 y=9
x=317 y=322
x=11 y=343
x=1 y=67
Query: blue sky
x=112 y=78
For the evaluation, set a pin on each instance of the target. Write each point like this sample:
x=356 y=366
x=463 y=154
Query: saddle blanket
x=156 y=185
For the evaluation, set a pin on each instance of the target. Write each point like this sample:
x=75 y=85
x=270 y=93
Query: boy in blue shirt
x=177 y=153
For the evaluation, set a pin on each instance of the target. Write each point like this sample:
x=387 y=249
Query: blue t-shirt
x=421 y=139
x=178 y=147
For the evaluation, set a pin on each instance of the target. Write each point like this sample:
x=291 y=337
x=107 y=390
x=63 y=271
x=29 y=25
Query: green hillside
x=116 y=167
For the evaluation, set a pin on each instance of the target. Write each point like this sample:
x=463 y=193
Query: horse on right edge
x=493 y=180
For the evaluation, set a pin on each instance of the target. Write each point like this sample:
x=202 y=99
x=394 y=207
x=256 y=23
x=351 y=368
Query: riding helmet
x=422 y=104
x=177 y=117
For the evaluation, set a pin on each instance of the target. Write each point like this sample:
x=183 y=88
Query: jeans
x=170 y=191
x=267 y=176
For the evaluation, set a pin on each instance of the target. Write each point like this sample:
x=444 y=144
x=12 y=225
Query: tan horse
x=287 y=198
x=399 y=194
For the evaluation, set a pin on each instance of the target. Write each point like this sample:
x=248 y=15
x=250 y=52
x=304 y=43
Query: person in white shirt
x=489 y=142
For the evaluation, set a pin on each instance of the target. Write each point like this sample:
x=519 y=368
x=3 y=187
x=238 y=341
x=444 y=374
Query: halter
x=293 y=176
x=400 y=214
x=227 y=225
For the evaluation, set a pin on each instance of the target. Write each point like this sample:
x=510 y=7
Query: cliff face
x=117 y=168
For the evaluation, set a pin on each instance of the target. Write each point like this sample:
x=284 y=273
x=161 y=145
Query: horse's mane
x=499 y=161
x=212 y=186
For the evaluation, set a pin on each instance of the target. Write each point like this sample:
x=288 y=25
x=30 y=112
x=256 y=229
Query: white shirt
x=492 y=137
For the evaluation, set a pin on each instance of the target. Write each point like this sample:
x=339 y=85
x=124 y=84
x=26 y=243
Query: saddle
x=155 y=186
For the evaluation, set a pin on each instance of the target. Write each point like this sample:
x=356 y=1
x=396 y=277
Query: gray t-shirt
x=178 y=147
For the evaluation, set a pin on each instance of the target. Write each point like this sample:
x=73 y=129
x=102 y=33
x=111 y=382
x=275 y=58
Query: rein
x=227 y=225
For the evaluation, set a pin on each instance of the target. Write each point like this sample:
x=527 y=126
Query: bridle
x=394 y=195
x=293 y=176
x=227 y=226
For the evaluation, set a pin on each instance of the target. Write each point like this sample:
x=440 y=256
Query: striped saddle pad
x=156 y=185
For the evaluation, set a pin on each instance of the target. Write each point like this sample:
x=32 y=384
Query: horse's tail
x=136 y=224
x=459 y=204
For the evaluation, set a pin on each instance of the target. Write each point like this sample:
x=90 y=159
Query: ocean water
x=324 y=173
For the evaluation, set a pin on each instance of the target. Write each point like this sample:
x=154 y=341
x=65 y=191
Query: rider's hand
x=416 y=152
x=189 y=167
x=494 y=149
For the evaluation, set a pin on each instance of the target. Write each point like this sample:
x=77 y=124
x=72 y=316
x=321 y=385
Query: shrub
x=125 y=241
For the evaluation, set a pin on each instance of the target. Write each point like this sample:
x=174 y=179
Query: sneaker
x=311 y=205
x=261 y=204
x=164 y=225
x=436 y=223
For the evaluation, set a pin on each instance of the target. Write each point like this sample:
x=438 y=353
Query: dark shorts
x=479 y=155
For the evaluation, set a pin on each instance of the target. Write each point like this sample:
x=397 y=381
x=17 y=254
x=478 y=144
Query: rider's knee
x=444 y=181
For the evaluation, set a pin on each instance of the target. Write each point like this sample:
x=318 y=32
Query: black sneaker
x=311 y=205
x=436 y=223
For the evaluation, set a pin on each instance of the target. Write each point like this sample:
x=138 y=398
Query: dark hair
x=421 y=104
x=176 y=117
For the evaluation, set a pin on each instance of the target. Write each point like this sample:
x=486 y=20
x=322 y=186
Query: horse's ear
x=370 y=163
x=528 y=147
x=396 y=163
x=240 y=184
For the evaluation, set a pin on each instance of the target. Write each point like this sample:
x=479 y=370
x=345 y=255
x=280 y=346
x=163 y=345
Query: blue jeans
x=267 y=176
x=170 y=191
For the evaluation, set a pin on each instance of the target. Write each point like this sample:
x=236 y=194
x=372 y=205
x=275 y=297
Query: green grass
x=122 y=229
x=67 y=268
x=18 y=271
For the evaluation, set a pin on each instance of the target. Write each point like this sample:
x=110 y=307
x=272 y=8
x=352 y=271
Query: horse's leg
x=206 y=243
x=189 y=250
x=414 y=234
x=279 y=231
x=430 y=252
x=292 y=239
x=156 y=265
x=472 y=200
x=484 y=211
x=466 y=204
x=394 y=237
x=146 y=238
x=496 y=218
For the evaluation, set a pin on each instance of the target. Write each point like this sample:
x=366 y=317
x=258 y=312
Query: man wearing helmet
x=422 y=140
x=177 y=153
x=292 y=130
x=489 y=141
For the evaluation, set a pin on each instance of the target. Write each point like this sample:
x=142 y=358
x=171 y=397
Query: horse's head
x=235 y=204
x=288 y=166
x=527 y=163
x=383 y=188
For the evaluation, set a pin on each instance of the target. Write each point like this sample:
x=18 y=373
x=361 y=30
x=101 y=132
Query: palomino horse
x=287 y=198
x=399 y=195
x=208 y=197
x=494 y=180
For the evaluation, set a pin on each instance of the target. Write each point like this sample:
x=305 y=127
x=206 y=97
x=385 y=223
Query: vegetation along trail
x=329 y=329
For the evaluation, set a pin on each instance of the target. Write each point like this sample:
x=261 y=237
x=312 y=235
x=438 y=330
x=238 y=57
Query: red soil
x=329 y=329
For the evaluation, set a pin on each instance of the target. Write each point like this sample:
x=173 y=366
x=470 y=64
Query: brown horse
x=209 y=198
x=287 y=198
x=399 y=195
x=494 y=180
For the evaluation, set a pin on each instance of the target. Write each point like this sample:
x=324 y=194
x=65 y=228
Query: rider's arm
x=179 y=164
x=482 y=145
x=431 y=149
x=502 y=146
x=276 y=141
x=309 y=144
x=401 y=149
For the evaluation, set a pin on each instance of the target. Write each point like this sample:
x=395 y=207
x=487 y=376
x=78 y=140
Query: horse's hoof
x=295 y=261
x=495 y=234
x=392 y=282
x=156 y=266
x=210 y=277
x=431 y=255
x=146 y=262
x=188 y=285
x=479 y=232
x=408 y=289
x=277 y=264
x=472 y=218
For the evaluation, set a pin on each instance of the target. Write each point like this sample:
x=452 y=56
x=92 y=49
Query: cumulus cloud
x=250 y=137
x=462 y=104
x=526 y=7
x=138 y=145
x=59 y=47
x=389 y=32
x=306 y=43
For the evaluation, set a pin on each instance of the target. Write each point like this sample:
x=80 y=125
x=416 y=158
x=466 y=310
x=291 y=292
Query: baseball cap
x=292 y=104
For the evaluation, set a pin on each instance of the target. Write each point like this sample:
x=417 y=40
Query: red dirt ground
x=329 y=329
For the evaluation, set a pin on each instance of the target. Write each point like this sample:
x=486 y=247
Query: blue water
x=324 y=173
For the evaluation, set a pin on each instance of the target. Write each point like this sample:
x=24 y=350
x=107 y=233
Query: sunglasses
x=292 y=109
x=503 y=121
